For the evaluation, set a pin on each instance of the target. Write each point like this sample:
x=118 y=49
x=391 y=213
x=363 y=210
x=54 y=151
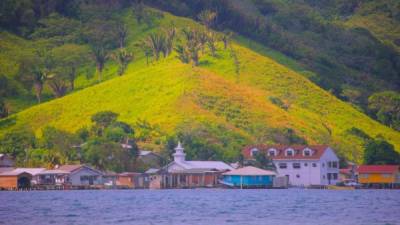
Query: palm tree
x=122 y=57
x=100 y=57
x=226 y=37
x=211 y=39
x=156 y=42
x=207 y=17
x=170 y=34
x=183 y=54
x=58 y=86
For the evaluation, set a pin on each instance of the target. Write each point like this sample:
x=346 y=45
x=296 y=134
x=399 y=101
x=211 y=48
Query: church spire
x=179 y=155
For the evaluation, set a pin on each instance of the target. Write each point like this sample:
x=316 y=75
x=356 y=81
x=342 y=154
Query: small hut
x=13 y=180
x=248 y=177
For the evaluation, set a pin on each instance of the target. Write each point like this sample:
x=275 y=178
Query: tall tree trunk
x=72 y=79
x=100 y=70
x=38 y=90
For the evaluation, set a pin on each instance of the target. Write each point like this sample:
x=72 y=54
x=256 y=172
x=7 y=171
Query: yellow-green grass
x=169 y=93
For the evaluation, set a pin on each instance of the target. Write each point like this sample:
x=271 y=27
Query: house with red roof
x=379 y=175
x=303 y=165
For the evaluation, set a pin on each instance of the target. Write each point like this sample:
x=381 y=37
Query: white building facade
x=303 y=165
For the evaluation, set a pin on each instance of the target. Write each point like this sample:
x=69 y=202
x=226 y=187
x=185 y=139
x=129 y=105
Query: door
x=91 y=178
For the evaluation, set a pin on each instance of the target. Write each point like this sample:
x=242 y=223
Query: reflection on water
x=202 y=207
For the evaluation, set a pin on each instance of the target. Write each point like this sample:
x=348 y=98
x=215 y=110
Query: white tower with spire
x=179 y=155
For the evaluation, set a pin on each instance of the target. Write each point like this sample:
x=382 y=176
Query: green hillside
x=235 y=110
x=381 y=20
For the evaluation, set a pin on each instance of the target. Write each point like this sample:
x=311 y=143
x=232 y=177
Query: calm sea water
x=202 y=207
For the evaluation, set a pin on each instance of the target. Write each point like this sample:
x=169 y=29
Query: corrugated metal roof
x=378 y=169
x=250 y=171
x=6 y=169
x=70 y=168
x=152 y=170
x=53 y=172
x=18 y=171
x=32 y=171
x=209 y=165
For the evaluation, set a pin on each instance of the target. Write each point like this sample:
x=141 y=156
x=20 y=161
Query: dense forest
x=54 y=48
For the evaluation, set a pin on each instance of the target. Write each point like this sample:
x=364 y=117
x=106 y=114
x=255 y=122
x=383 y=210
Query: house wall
x=125 y=181
x=155 y=181
x=75 y=177
x=237 y=180
x=306 y=175
x=8 y=182
x=376 y=178
x=329 y=156
x=6 y=162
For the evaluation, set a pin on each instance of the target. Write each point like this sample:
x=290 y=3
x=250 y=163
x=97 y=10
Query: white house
x=82 y=175
x=303 y=165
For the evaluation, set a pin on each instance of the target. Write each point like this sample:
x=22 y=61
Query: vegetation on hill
x=350 y=46
x=180 y=81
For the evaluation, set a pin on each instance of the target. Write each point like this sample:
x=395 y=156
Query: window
x=289 y=152
x=329 y=164
x=305 y=164
x=323 y=164
x=253 y=151
x=314 y=165
x=334 y=164
x=272 y=152
x=296 y=166
x=307 y=152
x=282 y=165
x=323 y=177
x=335 y=176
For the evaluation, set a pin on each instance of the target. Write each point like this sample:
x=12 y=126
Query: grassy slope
x=170 y=93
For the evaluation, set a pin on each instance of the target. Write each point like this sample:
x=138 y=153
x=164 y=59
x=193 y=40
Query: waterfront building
x=52 y=178
x=132 y=180
x=20 y=178
x=150 y=159
x=248 y=177
x=110 y=179
x=82 y=175
x=302 y=165
x=379 y=175
x=181 y=173
x=6 y=161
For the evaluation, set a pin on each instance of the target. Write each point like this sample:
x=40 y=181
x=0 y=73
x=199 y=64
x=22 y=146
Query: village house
x=380 y=176
x=132 y=180
x=188 y=174
x=82 y=176
x=6 y=161
x=110 y=179
x=52 y=178
x=150 y=158
x=20 y=178
x=302 y=165
x=249 y=177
